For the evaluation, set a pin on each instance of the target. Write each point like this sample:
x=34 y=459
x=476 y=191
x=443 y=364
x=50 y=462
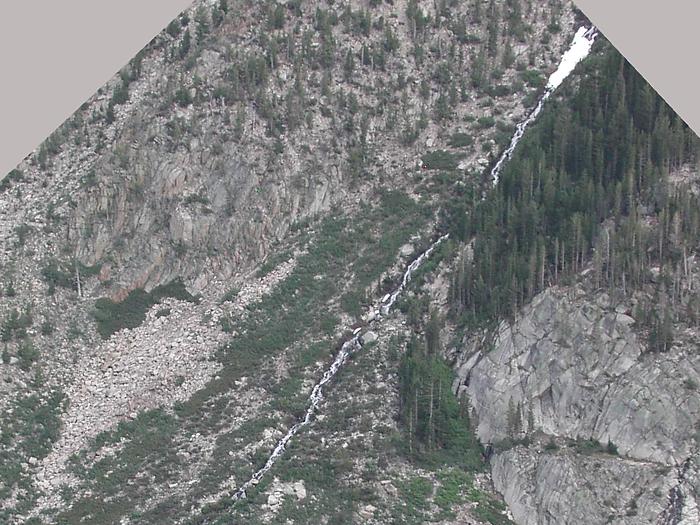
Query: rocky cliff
x=574 y=374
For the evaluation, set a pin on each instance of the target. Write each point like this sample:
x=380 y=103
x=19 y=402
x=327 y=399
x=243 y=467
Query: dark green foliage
x=130 y=313
x=174 y=28
x=185 y=44
x=275 y=17
x=436 y=422
x=460 y=140
x=14 y=176
x=353 y=303
x=22 y=232
x=47 y=328
x=28 y=428
x=183 y=97
x=391 y=41
x=533 y=78
x=599 y=155
x=273 y=262
x=551 y=445
x=55 y=274
x=418 y=21
x=593 y=446
x=230 y=295
x=10 y=289
x=485 y=122
x=146 y=438
x=441 y=160
x=27 y=354
x=201 y=19
x=293 y=319
x=63 y=274
x=121 y=94
x=16 y=324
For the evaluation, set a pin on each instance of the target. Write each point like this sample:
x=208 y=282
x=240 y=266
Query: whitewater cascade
x=579 y=49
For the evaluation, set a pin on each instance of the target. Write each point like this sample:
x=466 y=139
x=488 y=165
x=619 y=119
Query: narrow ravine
x=578 y=50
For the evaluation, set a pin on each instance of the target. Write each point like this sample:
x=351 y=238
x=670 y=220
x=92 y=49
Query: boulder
x=368 y=338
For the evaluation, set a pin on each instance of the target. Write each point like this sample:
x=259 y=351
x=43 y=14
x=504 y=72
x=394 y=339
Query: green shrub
x=272 y=262
x=485 y=122
x=15 y=325
x=174 y=28
x=131 y=312
x=183 y=97
x=121 y=94
x=163 y=312
x=14 y=176
x=47 y=328
x=27 y=354
x=441 y=160
x=461 y=140
x=56 y=274
x=230 y=295
x=352 y=303
x=533 y=78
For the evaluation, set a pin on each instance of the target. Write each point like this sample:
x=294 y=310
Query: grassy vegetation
x=441 y=160
x=148 y=440
x=461 y=140
x=273 y=262
x=131 y=312
x=28 y=428
x=297 y=320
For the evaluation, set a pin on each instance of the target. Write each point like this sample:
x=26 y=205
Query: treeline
x=435 y=420
x=588 y=183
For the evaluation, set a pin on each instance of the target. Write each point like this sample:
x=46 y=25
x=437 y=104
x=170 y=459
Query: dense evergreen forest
x=437 y=423
x=588 y=184
x=587 y=190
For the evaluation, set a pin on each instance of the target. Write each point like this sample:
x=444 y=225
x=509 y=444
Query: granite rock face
x=574 y=367
x=567 y=488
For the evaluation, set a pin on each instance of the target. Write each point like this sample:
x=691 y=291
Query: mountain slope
x=185 y=257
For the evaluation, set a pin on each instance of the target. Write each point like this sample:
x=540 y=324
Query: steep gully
x=578 y=50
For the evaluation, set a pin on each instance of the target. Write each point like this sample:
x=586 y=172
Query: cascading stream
x=579 y=49
x=348 y=348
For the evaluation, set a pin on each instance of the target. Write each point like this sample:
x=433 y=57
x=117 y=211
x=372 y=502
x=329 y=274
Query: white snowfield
x=579 y=49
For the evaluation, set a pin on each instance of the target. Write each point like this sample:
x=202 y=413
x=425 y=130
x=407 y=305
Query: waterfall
x=579 y=49
x=348 y=348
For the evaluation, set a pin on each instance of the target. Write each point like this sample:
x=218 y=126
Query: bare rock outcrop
x=567 y=488
x=574 y=366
